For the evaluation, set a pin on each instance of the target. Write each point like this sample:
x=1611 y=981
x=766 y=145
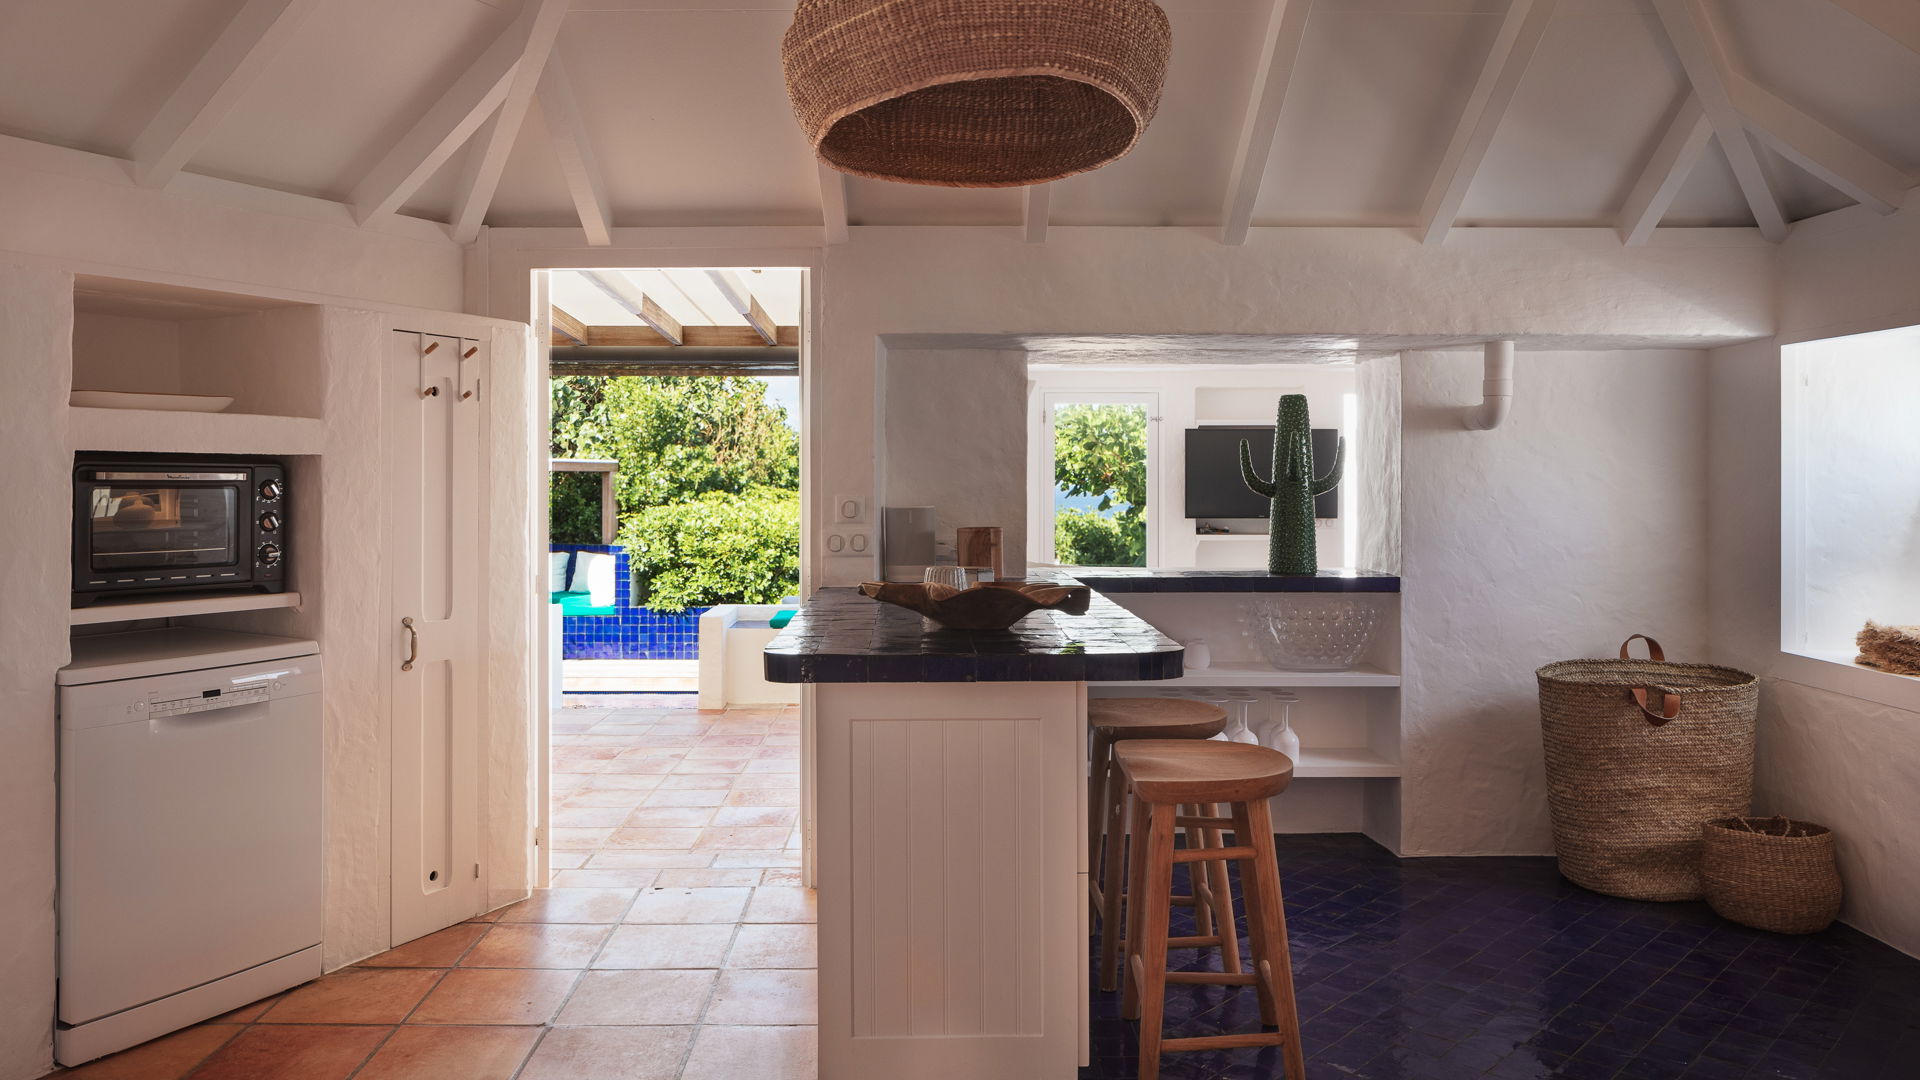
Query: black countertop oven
x=149 y=523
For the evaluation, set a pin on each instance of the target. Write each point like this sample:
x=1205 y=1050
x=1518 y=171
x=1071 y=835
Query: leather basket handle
x=1669 y=703
x=1654 y=651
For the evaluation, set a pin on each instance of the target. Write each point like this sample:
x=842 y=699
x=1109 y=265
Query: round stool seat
x=1189 y=771
x=1155 y=718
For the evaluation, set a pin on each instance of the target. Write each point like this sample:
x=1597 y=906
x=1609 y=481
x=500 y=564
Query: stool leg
x=1221 y=888
x=1267 y=926
x=1147 y=953
x=1197 y=878
x=1112 y=927
x=1101 y=760
x=1138 y=812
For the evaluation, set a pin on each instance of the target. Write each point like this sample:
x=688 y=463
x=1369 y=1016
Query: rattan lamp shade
x=974 y=93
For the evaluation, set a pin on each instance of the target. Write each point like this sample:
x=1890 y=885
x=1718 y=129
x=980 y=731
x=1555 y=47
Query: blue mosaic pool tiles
x=629 y=633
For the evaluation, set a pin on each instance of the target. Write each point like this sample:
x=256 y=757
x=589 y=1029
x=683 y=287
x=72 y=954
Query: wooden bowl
x=990 y=605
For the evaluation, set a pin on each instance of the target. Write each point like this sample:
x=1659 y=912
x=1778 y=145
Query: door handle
x=413 y=644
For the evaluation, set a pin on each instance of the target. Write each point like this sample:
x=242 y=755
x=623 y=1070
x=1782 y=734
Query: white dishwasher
x=190 y=830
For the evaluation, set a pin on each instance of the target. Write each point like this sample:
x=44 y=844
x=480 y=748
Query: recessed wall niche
x=141 y=337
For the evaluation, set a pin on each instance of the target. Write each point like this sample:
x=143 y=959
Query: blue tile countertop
x=1133 y=579
x=840 y=636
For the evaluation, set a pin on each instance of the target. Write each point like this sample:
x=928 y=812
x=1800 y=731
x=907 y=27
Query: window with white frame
x=1093 y=486
x=1850 y=498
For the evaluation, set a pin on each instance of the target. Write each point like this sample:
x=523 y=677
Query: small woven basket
x=1771 y=873
x=974 y=93
x=1640 y=754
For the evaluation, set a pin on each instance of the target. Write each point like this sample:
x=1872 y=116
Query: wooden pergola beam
x=638 y=303
x=565 y=325
x=740 y=297
x=692 y=337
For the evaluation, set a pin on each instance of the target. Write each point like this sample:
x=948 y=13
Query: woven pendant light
x=974 y=93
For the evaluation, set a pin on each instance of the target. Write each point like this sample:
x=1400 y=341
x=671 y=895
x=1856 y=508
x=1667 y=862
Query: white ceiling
x=682 y=102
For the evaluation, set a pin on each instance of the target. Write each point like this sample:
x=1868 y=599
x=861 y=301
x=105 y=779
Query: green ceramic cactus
x=1290 y=546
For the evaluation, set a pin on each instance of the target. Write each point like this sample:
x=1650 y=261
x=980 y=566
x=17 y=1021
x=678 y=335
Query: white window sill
x=1834 y=670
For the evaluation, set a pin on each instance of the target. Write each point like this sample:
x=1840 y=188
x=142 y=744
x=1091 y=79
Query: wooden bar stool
x=1164 y=775
x=1117 y=720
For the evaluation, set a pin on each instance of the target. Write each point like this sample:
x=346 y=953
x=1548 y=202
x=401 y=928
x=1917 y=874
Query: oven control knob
x=272 y=489
x=269 y=521
x=269 y=554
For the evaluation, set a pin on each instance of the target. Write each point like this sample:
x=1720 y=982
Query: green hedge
x=719 y=548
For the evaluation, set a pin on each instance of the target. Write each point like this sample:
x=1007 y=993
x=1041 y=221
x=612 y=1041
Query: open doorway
x=672 y=841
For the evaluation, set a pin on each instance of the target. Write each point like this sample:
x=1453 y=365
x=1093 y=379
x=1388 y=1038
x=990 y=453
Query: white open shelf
x=1230 y=675
x=1326 y=762
x=106 y=611
x=192 y=432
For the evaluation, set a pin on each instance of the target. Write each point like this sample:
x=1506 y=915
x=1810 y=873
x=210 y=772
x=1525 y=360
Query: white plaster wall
x=1837 y=745
x=955 y=426
x=1858 y=465
x=81 y=212
x=1579 y=521
x=36 y=488
x=1377 y=484
x=126 y=353
x=270 y=362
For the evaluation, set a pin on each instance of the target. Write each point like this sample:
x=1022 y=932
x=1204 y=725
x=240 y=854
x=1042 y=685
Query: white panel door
x=434 y=438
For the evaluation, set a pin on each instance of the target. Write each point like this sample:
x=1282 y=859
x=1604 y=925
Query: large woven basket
x=1771 y=873
x=974 y=93
x=1641 y=754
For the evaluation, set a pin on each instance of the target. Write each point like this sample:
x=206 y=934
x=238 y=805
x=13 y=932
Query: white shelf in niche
x=192 y=432
x=107 y=611
x=1231 y=675
x=1335 y=762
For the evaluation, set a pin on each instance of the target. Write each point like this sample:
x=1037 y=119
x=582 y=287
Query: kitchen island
x=950 y=772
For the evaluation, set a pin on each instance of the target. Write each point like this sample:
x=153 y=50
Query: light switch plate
x=849 y=510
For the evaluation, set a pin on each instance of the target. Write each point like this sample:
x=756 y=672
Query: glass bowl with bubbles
x=1313 y=631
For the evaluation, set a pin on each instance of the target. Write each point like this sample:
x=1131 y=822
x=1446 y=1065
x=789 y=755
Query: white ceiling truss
x=473 y=150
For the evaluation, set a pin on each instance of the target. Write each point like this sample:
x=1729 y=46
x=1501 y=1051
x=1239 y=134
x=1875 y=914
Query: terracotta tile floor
x=676 y=942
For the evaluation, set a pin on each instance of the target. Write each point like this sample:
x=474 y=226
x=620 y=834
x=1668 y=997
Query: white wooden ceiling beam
x=1692 y=35
x=450 y=122
x=1513 y=48
x=489 y=157
x=1286 y=25
x=1679 y=150
x=742 y=300
x=230 y=65
x=833 y=203
x=1898 y=19
x=1035 y=208
x=574 y=153
x=637 y=303
x=1837 y=160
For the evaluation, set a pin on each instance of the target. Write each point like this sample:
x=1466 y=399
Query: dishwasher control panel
x=209 y=700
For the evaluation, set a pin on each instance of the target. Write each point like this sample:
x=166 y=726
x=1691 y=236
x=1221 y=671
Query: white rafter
x=1036 y=205
x=1285 y=27
x=1692 y=35
x=574 y=153
x=1842 y=163
x=209 y=92
x=453 y=119
x=1898 y=19
x=833 y=203
x=489 y=157
x=1513 y=47
x=1679 y=150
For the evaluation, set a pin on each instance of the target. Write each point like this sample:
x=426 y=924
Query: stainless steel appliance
x=147 y=523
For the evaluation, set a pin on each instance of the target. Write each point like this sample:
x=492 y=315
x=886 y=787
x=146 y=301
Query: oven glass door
x=141 y=524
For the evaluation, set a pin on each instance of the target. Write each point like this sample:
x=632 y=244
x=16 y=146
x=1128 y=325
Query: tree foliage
x=707 y=492
x=719 y=548
x=1100 y=452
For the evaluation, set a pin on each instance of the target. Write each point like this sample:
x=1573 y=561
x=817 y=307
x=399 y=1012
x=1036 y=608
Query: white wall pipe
x=1497 y=391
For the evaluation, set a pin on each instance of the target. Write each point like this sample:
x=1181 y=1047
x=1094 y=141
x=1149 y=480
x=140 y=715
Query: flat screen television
x=1214 y=487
